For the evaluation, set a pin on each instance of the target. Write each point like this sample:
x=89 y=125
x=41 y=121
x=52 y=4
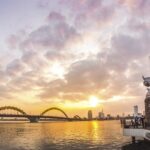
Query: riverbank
x=139 y=145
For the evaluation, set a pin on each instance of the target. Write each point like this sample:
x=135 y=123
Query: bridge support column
x=133 y=139
x=34 y=119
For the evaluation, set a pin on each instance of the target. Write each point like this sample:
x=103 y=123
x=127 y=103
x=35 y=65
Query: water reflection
x=62 y=135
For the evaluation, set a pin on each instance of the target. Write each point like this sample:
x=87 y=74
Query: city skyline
x=77 y=55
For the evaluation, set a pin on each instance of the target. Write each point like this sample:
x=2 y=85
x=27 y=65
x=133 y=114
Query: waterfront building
x=108 y=116
x=123 y=115
x=135 y=110
x=118 y=117
x=90 y=116
x=101 y=115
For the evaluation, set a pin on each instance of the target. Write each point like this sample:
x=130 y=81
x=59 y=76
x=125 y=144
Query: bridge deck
x=34 y=116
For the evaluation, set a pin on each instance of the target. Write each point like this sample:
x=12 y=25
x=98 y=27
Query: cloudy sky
x=74 y=54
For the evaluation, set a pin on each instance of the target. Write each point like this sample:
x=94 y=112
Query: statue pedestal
x=147 y=111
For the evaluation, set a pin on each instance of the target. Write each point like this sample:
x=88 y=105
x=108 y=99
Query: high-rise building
x=118 y=117
x=135 y=110
x=108 y=116
x=90 y=115
x=101 y=115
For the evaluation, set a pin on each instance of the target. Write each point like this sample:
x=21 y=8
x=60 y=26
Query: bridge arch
x=13 y=108
x=54 y=108
x=77 y=117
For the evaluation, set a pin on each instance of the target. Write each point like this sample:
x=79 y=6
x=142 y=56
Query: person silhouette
x=136 y=121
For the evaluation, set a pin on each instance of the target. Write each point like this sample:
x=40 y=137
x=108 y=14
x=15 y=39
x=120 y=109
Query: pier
x=136 y=129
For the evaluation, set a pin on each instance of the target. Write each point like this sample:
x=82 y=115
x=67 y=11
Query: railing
x=131 y=123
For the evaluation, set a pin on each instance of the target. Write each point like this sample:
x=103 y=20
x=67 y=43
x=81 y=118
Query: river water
x=93 y=135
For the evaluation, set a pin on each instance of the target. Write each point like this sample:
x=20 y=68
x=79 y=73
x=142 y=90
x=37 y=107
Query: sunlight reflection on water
x=62 y=135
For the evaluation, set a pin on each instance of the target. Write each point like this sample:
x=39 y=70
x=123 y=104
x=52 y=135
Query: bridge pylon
x=33 y=119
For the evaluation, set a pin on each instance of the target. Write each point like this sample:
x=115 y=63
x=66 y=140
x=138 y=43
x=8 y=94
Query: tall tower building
x=101 y=115
x=90 y=115
x=135 y=110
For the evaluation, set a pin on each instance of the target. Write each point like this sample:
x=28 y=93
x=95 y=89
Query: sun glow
x=93 y=101
x=57 y=70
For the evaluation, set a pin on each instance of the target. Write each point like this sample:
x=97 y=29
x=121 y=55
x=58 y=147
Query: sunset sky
x=74 y=54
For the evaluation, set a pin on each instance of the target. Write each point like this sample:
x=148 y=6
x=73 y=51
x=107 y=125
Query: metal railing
x=131 y=123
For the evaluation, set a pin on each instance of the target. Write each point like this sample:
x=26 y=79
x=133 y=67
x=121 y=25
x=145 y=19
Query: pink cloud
x=90 y=12
x=137 y=7
x=55 y=16
x=127 y=48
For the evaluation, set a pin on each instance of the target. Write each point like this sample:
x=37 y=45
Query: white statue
x=148 y=93
x=146 y=81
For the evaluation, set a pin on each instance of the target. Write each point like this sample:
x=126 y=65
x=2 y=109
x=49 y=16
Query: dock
x=135 y=131
x=138 y=128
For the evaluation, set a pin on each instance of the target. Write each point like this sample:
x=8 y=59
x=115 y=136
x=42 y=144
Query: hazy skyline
x=74 y=54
